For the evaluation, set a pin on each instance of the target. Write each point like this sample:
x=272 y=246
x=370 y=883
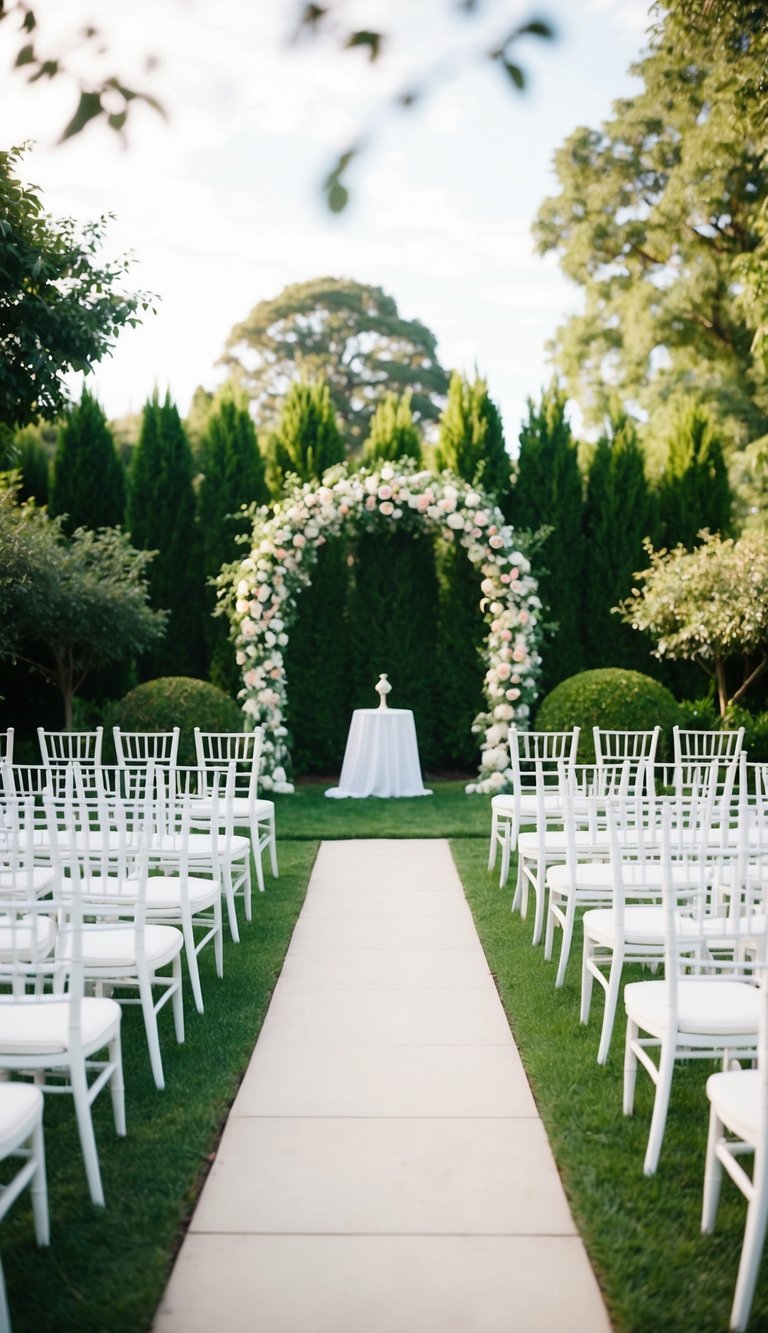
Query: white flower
x=455 y=521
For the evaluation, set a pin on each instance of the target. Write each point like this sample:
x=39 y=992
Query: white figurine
x=382 y=689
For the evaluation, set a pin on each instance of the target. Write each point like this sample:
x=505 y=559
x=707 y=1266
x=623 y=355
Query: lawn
x=107 y=1269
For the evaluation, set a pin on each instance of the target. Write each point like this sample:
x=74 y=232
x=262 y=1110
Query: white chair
x=738 y=1127
x=6 y=746
x=60 y=748
x=695 y=753
x=21 y=1136
x=527 y=749
x=108 y=874
x=220 y=751
x=637 y=748
x=701 y=1009
x=135 y=748
x=47 y=1025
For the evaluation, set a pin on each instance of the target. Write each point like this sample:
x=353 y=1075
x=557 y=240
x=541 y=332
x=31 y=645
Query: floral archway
x=260 y=594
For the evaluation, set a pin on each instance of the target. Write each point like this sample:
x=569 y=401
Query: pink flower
x=422 y=503
x=503 y=671
x=385 y=492
x=299 y=539
x=386 y=507
x=518 y=655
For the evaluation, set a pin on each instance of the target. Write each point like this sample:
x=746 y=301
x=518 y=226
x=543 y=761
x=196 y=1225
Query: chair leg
x=273 y=845
x=611 y=1002
x=150 y=1027
x=660 y=1107
x=192 y=966
x=178 y=1000
x=117 y=1086
x=549 y=934
x=247 y=885
x=259 y=867
x=218 y=938
x=87 y=1137
x=630 y=1067
x=587 y=980
x=229 y=894
x=494 y=832
x=565 y=945
x=713 y=1174
x=39 y=1188
x=5 y=1315
x=506 y=853
x=751 y=1250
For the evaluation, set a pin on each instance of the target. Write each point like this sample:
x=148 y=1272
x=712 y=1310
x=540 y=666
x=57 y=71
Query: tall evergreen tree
x=393 y=433
x=618 y=515
x=233 y=475
x=88 y=478
x=549 y=493
x=693 y=492
x=471 y=439
x=471 y=444
x=161 y=517
x=307 y=439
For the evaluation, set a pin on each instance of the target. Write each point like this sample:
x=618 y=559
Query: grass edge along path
x=642 y=1234
x=106 y=1268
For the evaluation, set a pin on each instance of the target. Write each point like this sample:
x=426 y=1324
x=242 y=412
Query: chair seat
x=201 y=845
x=735 y=1095
x=164 y=893
x=556 y=843
x=115 y=949
x=711 y=1008
x=38 y=1028
x=30 y=883
x=242 y=808
x=643 y=924
x=21 y=1106
x=31 y=935
x=527 y=804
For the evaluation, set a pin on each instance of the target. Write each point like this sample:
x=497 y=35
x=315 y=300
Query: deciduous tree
x=348 y=333
x=709 y=606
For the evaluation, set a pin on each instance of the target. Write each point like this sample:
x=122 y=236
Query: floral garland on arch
x=259 y=594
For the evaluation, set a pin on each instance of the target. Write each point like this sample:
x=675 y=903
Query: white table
x=382 y=755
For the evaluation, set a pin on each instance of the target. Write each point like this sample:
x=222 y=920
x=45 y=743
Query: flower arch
x=260 y=594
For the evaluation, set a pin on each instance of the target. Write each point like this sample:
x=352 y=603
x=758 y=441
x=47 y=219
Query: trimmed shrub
x=178 y=701
x=612 y=698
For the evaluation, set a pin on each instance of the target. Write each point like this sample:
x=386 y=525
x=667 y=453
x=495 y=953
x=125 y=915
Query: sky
x=220 y=203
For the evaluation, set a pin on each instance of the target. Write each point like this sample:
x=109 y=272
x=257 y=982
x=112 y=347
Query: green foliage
x=34 y=467
x=392 y=434
x=348 y=333
x=88 y=481
x=548 y=494
x=161 y=517
x=471 y=440
x=233 y=476
x=693 y=491
x=658 y=212
x=618 y=516
x=392 y=618
x=178 y=701
x=611 y=698
x=709 y=605
x=197 y=418
x=317 y=665
x=459 y=668
x=307 y=440
x=60 y=310
x=68 y=606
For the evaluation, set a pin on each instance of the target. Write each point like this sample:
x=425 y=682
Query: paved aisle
x=383 y=1169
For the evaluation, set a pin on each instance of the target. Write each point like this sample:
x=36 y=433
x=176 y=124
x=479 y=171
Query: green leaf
x=26 y=56
x=88 y=108
x=538 y=28
x=373 y=40
x=338 y=196
x=515 y=74
x=29 y=22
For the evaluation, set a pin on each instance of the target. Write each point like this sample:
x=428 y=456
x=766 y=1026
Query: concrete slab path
x=383 y=1169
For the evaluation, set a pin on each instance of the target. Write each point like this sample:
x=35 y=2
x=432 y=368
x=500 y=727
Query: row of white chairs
x=676 y=882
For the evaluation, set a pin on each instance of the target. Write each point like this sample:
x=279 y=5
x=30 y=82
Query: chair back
x=235 y=752
x=6 y=746
x=59 y=748
x=140 y=747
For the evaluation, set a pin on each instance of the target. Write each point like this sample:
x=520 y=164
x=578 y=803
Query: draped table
x=382 y=756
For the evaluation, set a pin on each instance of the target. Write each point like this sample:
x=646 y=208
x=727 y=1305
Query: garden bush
x=612 y=698
x=178 y=701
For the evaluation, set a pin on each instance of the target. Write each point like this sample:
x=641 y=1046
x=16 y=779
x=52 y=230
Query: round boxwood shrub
x=178 y=701
x=612 y=698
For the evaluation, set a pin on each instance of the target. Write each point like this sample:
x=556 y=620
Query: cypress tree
x=618 y=514
x=693 y=492
x=471 y=440
x=233 y=475
x=549 y=493
x=32 y=460
x=471 y=444
x=88 y=478
x=307 y=441
x=393 y=433
x=161 y=517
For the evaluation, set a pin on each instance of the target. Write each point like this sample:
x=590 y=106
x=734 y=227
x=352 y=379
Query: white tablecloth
x=382 y=755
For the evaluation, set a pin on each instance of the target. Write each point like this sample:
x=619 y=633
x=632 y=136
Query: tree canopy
x=350 y=334
x=709 y=605
x=60 y=307
x=69 y=605
x=471 y=442
x=658 y=212
x=88 y=478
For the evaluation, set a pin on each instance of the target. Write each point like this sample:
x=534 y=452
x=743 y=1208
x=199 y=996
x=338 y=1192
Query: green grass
x=106 y=1269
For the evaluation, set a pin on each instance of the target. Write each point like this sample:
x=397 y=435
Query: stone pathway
x=383 y=1169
